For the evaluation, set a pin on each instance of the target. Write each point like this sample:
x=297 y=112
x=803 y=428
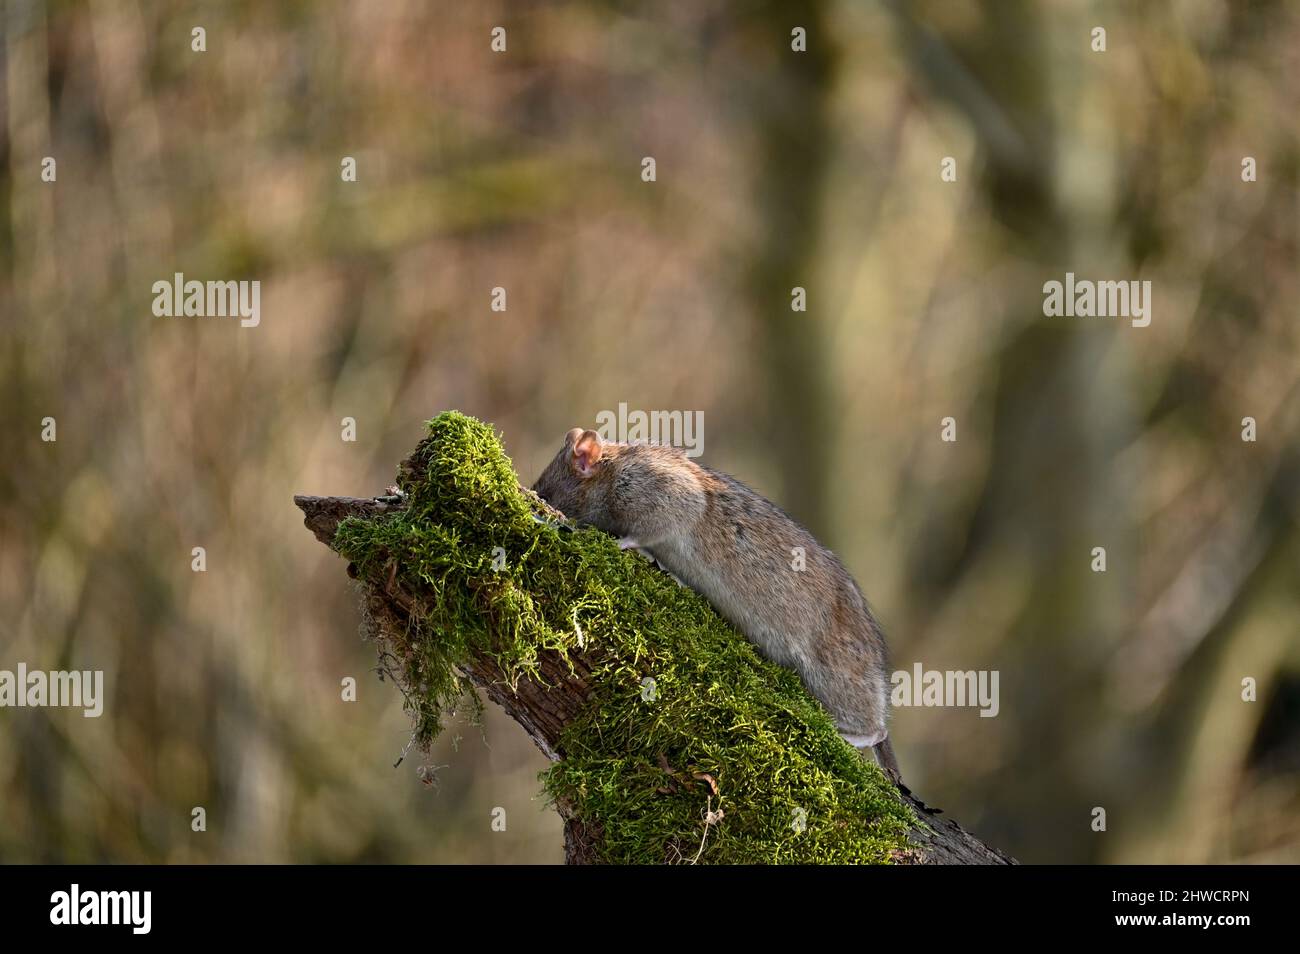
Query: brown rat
x=737 y=549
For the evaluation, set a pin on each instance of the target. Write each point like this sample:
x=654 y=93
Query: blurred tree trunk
x=790 y=112
x=1042 y=430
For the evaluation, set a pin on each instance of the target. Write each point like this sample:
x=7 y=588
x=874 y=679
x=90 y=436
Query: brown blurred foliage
x=775 y=169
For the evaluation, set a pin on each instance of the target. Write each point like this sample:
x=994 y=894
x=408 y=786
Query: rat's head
x=567 y=481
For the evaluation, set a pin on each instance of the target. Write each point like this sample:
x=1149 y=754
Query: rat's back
x=789 y=595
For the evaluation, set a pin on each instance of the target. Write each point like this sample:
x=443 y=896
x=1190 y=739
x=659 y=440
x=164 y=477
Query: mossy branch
x=671 y=738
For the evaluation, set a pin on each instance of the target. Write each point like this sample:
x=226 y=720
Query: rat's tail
x=884 y=753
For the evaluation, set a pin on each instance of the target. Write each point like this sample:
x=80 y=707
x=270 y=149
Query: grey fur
x=736 y=548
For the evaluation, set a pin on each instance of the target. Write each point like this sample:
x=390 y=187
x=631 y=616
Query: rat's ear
x=586 y=451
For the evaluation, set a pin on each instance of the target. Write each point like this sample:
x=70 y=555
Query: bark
x=545 y=706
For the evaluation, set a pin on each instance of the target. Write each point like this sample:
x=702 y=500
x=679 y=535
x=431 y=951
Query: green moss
x=642 y=764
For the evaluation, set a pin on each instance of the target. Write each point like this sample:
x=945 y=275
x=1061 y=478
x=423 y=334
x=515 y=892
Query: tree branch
x=559 y=689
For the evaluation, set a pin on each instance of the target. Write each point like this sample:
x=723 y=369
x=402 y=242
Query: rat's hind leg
x=859 y=741
x=878 y=743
